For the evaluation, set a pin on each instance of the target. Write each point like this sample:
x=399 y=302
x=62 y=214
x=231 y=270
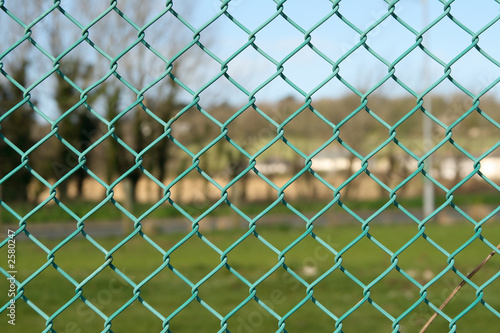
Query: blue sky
x=306 y=68
x=334 y=38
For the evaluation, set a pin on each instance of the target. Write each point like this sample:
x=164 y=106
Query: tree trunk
x=129 y=187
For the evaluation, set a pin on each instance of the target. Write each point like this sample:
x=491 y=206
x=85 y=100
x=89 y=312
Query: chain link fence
x=262 y=157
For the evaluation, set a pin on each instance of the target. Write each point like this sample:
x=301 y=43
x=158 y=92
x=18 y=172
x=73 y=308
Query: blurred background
x=167 y=98
x=213 y=142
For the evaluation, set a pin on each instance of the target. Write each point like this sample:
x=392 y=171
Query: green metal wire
x=252 y=42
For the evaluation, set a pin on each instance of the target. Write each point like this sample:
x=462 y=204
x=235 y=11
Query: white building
x=451 y=167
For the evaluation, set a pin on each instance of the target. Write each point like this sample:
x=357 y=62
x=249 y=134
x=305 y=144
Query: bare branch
x=455 y=291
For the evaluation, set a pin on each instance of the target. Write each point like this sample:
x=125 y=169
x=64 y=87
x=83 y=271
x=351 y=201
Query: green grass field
x=54 y=213
x=280 y=291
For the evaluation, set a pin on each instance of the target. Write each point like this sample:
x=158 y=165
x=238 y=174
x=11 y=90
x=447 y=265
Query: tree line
x=139 y=141
x=58 y=134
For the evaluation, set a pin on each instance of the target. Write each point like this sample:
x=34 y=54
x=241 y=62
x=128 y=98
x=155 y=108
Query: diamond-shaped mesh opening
x=391 y=165
x=309 y=76
x=165 y=292
x=382 y=229
x=449 y=109
x=134 y=132
x=53 y=297
x=286 y=35
x=418 y=318
x=422 y=314
x=473 y=62
x=343 y=39
x=409 y=134
x=254 y=317
x=377 y=260
x=251 y=138
x=223 y=161
x=394 y=293
x=12 y=58
x=256 y=190
x=305 y=189
x=194 y=318
x=356 y=132
x=107 y=291
x=129 y=258
x=359 y=78
x=461 y=8
x=194 y=130
x=194 y=194
x=143 y=77
x=250 y=77
x=420 y=256
x=389 y=110
x=137 y=314
x=21 y=117
x=367 y=317
x=188 y=260
x=436 y=37
x=334 y=162
x=73 y=77
x=338 y=293
x=363 y=187
x=385 y=33
x=65 y=258
x=309 y=259
x=217 y=285
x=250 y=266
x=248 y=193
x=42 y=30
x=291 y=289
x=211 y=68
x=222 y=98
x=224 y=48
x=417 y=56
x=300 y=319
x=440 y=290
x=306 y=125
x=472 y=132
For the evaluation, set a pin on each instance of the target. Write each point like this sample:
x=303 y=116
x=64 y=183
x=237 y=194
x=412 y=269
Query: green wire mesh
x=279 y=136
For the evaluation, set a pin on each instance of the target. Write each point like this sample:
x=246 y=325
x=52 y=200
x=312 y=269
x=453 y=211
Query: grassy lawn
x=280 y=291
x=54 y=213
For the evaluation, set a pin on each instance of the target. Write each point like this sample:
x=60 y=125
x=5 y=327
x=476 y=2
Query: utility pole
x=428 y=186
